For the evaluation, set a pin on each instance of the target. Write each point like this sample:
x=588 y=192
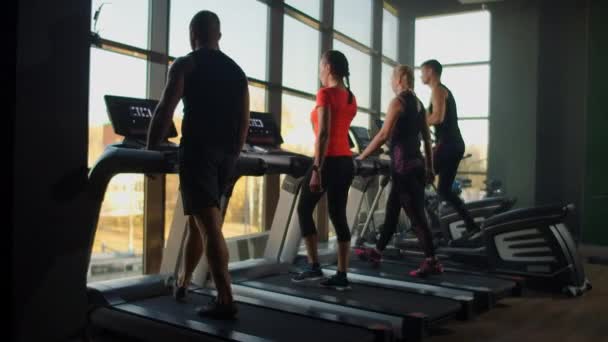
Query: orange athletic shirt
x=342 y=113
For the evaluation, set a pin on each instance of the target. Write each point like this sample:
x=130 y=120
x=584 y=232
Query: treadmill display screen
x=361 y=135
x=131 y=117
x=263 y=130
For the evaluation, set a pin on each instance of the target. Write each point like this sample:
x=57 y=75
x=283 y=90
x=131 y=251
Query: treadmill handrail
x=118 y=159
x=371 y=166
x=294 y=165
x=366 y=167
x=115 y=160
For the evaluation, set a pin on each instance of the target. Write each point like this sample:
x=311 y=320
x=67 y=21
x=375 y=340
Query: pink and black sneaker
x=428 y=267
x=371 y=255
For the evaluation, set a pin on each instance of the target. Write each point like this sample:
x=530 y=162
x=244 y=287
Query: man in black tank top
x=449 y=146
x=216 y=119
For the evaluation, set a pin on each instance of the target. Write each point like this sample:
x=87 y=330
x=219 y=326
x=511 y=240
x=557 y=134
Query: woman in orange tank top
x=332 y=169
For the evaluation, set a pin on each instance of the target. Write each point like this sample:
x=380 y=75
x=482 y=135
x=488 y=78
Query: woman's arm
x=324 y=117
x=387 y=128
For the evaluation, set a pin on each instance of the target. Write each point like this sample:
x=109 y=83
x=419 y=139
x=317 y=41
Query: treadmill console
x=264 y=141
x=361 y=137
x=131 y=117
x=263 y=132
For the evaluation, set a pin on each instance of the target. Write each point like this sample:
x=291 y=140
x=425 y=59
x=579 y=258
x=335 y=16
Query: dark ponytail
x=340 y=69
x=350 y=93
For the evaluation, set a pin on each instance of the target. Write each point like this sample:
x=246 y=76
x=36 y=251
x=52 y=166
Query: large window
x=118 y=243
x=471 y=87
x=354 y=19
x=461 y=43
x=389 y=34
x=390 y=29
x=110 y=74
x=387 y=91
x=243 y=26
x=296 y=127
x=361 y=120
x=458 y=38
x=115 y=16
x=300 y=56
x=309 y=7
x=422 y=91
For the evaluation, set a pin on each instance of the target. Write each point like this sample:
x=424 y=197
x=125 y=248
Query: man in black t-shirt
x=216 y=119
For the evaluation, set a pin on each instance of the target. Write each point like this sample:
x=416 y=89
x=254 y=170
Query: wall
x=547 y=114
x=49 y=254
x=512 y=149
x=596 y=182
x=562 y=105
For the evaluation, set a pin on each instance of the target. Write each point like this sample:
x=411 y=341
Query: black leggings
x=407 y=192
x=446 y=159
x=336 y=178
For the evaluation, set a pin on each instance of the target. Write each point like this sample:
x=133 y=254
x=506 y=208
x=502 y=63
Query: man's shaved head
x=205 y=28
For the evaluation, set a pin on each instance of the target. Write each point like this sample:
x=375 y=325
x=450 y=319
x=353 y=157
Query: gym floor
x=540 y=317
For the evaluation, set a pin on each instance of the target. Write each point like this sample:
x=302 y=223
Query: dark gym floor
x=540 y=317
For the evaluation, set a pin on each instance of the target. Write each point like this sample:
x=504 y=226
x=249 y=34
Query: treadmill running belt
x=414 y=260
x=389 y=301
x=252 y=320
x=449 y=279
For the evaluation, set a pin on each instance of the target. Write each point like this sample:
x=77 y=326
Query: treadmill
x=143 y=308
x=487 y=290
x=406 y=252
x=530 y=246
x=446 y=224
x=410 y=311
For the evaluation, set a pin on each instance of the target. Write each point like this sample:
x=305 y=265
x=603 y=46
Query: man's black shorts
x=204 y=176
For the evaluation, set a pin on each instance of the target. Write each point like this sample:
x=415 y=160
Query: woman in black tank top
x=405 y=123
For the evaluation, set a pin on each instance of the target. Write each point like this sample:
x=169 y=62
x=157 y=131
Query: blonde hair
x=404 y=70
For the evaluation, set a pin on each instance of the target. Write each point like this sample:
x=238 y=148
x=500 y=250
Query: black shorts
x=204 y=176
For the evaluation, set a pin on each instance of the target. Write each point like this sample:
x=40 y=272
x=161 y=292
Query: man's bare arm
x=244 y=118
x=428 y=151
x=438 y=98
x=163 y=115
